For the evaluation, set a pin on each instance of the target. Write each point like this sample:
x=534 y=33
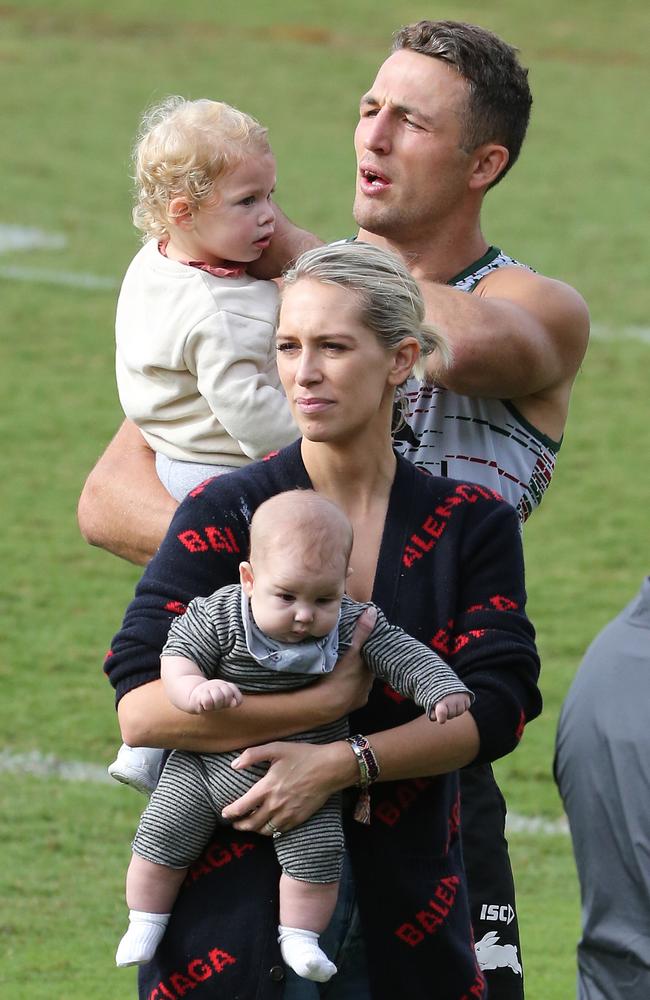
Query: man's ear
x=404 y=358
x=246 y=578
x=490 y=160
x=179 y=212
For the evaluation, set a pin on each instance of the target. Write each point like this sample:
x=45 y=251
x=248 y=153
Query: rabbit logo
x=491 y=955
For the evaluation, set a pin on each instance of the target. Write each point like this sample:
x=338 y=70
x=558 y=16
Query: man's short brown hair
x=498 y=108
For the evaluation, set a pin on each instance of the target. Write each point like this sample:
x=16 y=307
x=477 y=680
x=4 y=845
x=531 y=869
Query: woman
x=442 y=559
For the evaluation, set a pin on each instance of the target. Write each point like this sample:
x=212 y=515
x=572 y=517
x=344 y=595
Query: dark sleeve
x=196 y=635
x=491 y=642
x=201 y=552
x=411 y=668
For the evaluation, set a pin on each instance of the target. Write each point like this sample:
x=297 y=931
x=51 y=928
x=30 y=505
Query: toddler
x=282 y=627
x=195 y=360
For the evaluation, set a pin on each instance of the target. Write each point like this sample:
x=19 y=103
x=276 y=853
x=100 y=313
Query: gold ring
x=273 y=830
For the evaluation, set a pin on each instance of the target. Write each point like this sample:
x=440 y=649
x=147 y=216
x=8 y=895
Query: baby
x=282 y=627
x=195 y=359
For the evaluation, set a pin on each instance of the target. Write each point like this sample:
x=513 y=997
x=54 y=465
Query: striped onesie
x=193 y=788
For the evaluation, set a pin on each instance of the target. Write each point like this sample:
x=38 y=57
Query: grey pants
x=179 y=478
x=186 y=806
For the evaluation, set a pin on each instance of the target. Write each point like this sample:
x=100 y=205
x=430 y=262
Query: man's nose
x=377 y=136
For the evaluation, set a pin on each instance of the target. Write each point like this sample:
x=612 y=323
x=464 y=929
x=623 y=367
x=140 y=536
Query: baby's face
x=291 y=602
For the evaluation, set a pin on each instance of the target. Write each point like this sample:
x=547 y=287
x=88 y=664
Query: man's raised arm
x=124 y=507
x=520 y=336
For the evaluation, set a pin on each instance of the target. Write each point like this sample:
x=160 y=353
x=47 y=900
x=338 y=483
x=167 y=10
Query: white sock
x=301 y=952
x=142 y=938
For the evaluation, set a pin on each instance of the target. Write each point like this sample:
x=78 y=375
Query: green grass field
x=75 y=76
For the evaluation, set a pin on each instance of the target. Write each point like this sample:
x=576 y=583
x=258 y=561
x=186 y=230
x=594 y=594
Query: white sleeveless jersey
x=481 y=440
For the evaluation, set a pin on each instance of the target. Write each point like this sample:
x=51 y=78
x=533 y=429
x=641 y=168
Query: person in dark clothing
x=442 y=559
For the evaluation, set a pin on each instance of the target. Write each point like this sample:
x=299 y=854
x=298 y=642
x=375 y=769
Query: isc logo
x=492 y=911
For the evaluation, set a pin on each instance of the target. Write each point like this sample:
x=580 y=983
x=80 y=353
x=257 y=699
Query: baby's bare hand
x=450 y=707
x=214 y=695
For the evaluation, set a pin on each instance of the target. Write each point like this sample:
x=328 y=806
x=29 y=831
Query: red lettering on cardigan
x=198 y=490
x=271 y=454
x=471 y=492
x=477 y=989
x=181 y=983
x=197 y=971
x=449 y=644
x=430 y=919
x=446 y=507
x=192 y=541
x=409 y=934
x=215 y=856
x=218 y=539
x=453 y=823
x=393 y=694
x=176 y=607
x=405 y=793
x=221 y=540
x=106 y=661
x=519 y=731
x=501 y=603
x=434 y=528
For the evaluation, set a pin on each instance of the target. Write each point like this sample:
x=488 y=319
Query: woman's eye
x=285 y=345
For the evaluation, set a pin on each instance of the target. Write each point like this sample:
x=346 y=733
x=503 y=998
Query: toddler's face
x=291 y=602
x=237 y=225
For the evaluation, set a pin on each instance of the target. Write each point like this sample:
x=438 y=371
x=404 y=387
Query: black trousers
x=490 y=883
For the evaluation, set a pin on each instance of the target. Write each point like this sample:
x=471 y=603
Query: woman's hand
x=301 y=777
x=348 y=686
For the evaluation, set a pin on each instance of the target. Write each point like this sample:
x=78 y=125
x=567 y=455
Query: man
x=441 y=124
x=602 y=768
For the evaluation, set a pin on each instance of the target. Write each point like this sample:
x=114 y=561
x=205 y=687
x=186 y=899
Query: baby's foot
x=142 y=938
x=138 y=767
x=301 y=953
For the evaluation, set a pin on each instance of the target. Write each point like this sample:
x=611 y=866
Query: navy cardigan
x=450 y=572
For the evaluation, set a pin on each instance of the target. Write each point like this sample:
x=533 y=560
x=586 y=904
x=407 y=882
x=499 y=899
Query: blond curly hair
x=183 y=148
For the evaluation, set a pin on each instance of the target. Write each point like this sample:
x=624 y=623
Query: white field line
x=41 y=276
x=48 y=766
x=600 y=331
x=22 y=239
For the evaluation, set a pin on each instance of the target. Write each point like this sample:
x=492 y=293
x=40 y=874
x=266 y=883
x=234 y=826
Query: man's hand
x=287 y=244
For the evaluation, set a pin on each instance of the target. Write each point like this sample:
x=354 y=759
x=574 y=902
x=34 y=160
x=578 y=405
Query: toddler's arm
x=188 y=689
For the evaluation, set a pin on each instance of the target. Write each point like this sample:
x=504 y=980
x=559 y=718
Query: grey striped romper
x=194 y=787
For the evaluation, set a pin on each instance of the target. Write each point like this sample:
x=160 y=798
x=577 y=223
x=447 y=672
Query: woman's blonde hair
x=183 y=148
x=390 y=299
